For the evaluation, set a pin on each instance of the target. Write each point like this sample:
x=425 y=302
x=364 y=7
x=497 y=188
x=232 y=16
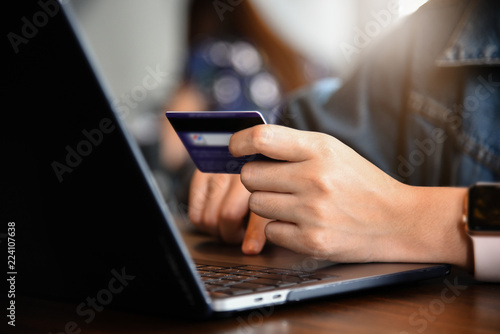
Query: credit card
x=206 y=135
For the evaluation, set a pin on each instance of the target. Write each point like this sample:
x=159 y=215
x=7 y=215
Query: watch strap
x=486 y=258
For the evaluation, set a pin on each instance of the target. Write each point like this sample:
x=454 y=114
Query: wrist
x=434 y=226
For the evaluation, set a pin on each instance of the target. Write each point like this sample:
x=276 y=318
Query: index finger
x=274 y=141
x=255 y=237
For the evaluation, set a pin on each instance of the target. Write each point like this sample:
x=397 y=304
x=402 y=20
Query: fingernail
x=250 y=247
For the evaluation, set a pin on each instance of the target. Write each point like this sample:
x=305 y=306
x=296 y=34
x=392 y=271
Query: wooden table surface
x=454 y=304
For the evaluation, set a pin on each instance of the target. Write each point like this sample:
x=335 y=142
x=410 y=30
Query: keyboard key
x=223 y=282
x=276 y=283
x=299 y=273
x=240 y=278
x=231 y=271
x=276 y=277
x=251 y=286
x=265 y=281
x=213 y=288
x=287 y=278
x=272 y=282
x=236 y=291
x=249 y=273
x=208 y=279
x=217 y=275
x=203 y=272
x=276 y=271
x=322 y=276
x=257 y=268
x=212 y=268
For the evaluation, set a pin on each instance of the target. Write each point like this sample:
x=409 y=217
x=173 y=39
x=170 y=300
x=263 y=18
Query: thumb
x=255 y=237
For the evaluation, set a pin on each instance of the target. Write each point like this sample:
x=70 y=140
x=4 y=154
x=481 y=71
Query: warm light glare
x=406 y=7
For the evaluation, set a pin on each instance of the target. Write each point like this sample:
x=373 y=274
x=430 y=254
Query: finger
x=255 y=237
x=217 y=186
x=197 y=196
x=282 y=177
x=274 y=141
x=275 y=206
x=233 y=212
x=206 y=191
x=284 y=234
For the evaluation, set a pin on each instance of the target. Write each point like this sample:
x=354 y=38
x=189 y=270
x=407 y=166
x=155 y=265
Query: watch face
x=484 y=208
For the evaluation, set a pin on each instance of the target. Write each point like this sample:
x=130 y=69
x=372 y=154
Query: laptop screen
x=73 y=184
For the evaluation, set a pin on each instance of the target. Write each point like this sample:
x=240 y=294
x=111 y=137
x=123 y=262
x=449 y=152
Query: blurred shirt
x=424 y=103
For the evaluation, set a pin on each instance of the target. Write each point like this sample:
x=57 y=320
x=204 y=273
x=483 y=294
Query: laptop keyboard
x=238 y=280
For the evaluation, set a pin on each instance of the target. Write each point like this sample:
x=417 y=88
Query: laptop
x=91 y=226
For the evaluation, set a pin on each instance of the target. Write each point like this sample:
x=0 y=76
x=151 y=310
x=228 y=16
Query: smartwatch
x=482 y=221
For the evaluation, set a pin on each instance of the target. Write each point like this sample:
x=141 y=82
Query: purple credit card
x=206 y=135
